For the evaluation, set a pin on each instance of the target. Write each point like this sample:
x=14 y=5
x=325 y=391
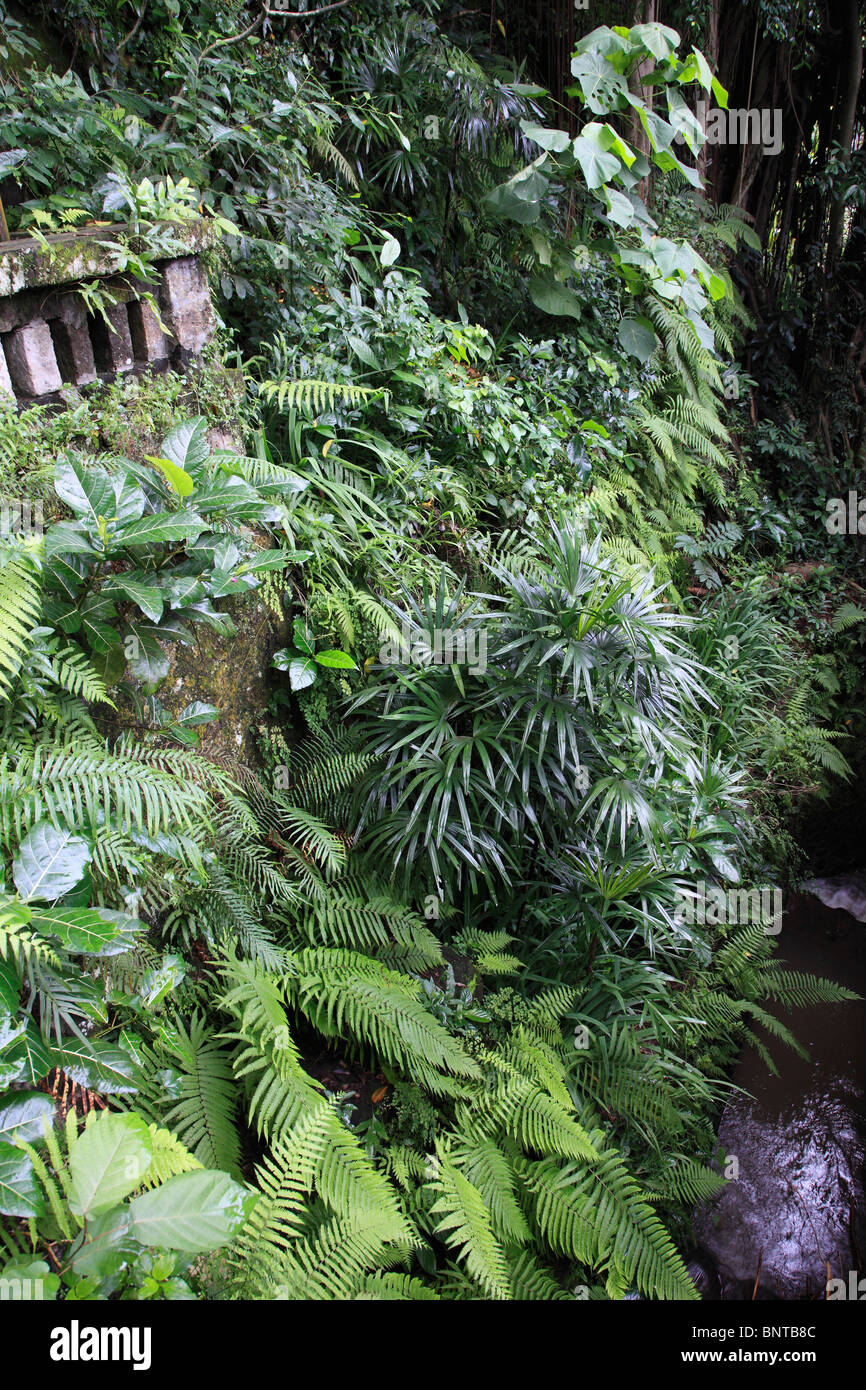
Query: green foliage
x=82 y=1181
x=407 y=1010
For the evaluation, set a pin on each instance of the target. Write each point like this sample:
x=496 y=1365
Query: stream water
x=796 y=1214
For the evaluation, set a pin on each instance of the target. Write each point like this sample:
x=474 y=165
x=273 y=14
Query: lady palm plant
x=480 y=767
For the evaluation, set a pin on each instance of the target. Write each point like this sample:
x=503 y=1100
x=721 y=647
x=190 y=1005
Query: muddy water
x=797 y=1207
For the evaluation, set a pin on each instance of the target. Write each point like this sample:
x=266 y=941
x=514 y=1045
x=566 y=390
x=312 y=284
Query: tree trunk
x=852 y=57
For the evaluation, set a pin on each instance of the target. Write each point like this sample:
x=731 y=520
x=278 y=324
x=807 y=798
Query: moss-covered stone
x=232 y=673
x=93 y=253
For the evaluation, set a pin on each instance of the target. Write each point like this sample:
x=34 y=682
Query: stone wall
x=50 y=338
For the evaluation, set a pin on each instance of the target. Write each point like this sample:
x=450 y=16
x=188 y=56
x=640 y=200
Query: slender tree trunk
x=711 y=45
x=852 y=57
x=643 y=14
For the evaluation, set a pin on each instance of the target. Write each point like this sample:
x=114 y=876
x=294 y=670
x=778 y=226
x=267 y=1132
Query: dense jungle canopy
x=407 y=698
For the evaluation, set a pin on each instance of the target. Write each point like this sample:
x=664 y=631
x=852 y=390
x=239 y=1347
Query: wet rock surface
x=794 y=1217
x=844 y=891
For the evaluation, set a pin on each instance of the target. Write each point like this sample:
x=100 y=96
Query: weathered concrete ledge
x=86 y=254
x=52 y=336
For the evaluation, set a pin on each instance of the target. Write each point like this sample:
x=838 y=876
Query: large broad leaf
x=364 y=352
x=106 y=1245
x=339 y=661
x=302 y=669
x=597 y=164
x=49 y=862
x=301 y=640
x=182 y=590
x=97 y=614
x=601 y=87
x=186 y=445
x=21 y=1115
x=67 y=538
x=178 y=478
x=110 y=664
x=194 y=1211
x=637 y=337
x=661 y=133
x=619 y=208
x=29 y=1053
x=129 y=501
x=147 y=660
x=665 y=159
x=520 y=198
x=84 y=931
x=198 y=713
x=554 y=140
x=160 y=981
x=227 y=492
x=685 y=122
x=161 y=528
x=658 y=38
x=276 y=559
x=302 y=672
x=97 y=1065
x=107 y=1162
x=204 y=612
x=147 y=595
x=20 y=1194
x=548 y=295
x=84 y=487
x=126 y=929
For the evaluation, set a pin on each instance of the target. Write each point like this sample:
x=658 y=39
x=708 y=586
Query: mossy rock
x=232 y=673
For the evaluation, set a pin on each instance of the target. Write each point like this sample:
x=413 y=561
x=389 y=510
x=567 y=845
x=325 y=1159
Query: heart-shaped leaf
x=637 y=338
